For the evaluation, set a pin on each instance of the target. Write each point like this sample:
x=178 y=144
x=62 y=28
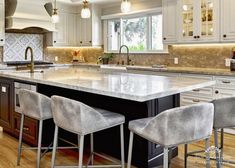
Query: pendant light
x=125 y=6
x=55 y=17
x=85 y=13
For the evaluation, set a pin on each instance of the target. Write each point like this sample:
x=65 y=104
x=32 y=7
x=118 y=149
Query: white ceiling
x=90 y=1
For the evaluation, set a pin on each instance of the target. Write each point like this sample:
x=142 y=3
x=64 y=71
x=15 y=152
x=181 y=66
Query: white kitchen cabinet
x=90 y=30
x=169 y=12
x=2 y=22
x=198 y=21
x=66 y=31
x=227 y=20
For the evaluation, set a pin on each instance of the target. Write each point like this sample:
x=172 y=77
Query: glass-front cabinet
x=199 y=21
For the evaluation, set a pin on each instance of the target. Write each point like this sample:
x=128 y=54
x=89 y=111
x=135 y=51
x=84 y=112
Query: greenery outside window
x=139 y=33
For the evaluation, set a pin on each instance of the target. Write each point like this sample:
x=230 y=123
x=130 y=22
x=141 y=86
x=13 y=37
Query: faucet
x=127 y=53
x=32 y=61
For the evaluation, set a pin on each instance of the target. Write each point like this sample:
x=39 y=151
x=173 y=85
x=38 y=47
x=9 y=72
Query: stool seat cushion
x=176 y=126
x=224 y=112
x=35 y=105
x=112 y=118
x=76 y=117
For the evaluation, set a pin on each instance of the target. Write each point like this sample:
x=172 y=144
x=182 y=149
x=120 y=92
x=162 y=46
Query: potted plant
x=105 y=58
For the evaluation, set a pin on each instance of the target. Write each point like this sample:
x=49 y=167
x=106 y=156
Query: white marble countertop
x=128 y=86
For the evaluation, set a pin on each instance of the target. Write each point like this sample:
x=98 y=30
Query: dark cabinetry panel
x=6 y=104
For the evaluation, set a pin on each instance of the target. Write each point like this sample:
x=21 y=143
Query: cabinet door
x=6 y=104
x=209 y=20
x=61 y=37
x=188 y=20
x=72 y=29
x=169 y=21
x=85 y=32
x=2 y=23
x=227 y=20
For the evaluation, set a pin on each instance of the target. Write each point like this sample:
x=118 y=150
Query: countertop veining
x=129 y=86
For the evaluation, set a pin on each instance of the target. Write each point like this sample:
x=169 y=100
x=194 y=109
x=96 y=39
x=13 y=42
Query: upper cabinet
x=2 y=22
x=169 y=21
x=72 y=30
x=90 y=30
x=199 y=20
x=227 y=20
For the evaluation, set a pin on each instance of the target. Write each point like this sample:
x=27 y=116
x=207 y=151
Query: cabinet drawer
x=222 y=93
x=223 y=82
x=189 y=100
x=30 y=134
x=202 y=92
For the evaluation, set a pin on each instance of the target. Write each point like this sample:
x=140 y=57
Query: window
x=140 y=34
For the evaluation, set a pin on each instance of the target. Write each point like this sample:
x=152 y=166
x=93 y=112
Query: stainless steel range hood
x=22 y=14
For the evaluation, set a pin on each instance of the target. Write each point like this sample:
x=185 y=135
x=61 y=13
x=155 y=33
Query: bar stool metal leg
x=207 y=141
x=92 y=149
x=20 y=140
x=165 y=160
x=81 y=145
x=54 y=147
x=222 y=147
x=185 y=155
x=39 y=143
x=217 y=148
x=130 y=150
x=122 y=146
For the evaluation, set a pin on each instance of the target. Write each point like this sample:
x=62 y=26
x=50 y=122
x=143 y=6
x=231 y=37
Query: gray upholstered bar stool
x=224 y=117
x=174 y=127
x=36 y=106
x=82 y=120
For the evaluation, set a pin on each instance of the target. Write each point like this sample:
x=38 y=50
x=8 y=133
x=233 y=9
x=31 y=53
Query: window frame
x=149 y=33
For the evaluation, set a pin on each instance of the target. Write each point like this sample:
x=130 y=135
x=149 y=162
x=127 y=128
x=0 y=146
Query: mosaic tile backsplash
x=15 y=45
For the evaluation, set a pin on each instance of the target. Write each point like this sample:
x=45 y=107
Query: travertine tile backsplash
x=199 y=56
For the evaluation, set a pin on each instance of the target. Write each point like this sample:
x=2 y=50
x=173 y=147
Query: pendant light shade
x=85 y=13
x=55 y=17
x=125 y=6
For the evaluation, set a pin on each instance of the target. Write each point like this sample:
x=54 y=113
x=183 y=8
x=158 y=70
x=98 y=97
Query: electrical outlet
x=227 y=62
x=176 y=60
x=56 y=58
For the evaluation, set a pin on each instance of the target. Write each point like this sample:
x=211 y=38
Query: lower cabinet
x=30 y=128
x=6 y=104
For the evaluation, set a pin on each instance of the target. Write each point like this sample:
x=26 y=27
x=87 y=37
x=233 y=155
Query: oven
x=18 y=86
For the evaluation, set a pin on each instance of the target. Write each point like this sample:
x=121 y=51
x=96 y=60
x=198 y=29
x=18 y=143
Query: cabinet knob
x=216 y=92
x=224 y=36
x=90 y=41
x=164 y=38
x=195 y=37
x=198 y=36
x=1 y=40
x=80 y=42
x=54 y=41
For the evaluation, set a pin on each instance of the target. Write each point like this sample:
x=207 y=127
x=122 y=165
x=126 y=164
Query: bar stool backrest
x=181 y=125
x=224 y=112
x=76 y=117
x=35 y=105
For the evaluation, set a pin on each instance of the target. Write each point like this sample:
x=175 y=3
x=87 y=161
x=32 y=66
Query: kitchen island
x=133 y=95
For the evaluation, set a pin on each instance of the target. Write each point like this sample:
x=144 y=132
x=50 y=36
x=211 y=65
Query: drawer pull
x=196 y=90
x=26 y=128
x=226 y=82
x=196 y=100
x=216 y=92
